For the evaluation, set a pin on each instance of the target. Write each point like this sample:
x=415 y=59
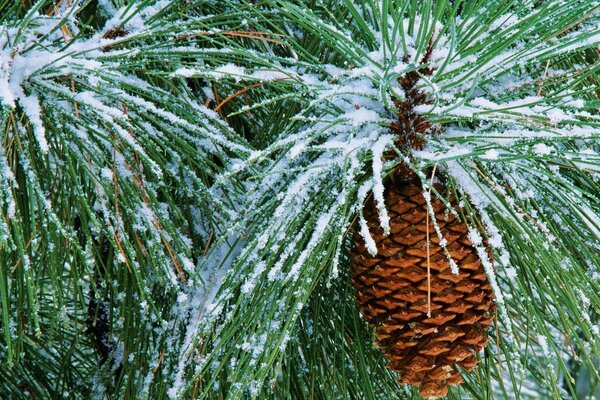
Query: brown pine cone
x=392 y=291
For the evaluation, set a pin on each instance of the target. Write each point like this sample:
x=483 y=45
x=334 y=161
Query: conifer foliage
x=183 y=183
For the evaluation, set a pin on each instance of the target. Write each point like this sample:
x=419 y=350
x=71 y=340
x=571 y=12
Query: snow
x=359 y=116
x=366 y=235
x=318 y=231
x=6 y=95
x=89 y=99
x=185 y=72
x=481 y=199
x=491 y=154
x=578 y=43
x=543 y=342
x=510 y=272
x=107 y=8
x=232 y=70
x=442 y=241
x=315 y=166
x=591 y=219
x=297 y=149
x=238 y=73
x=542 y=149
x=15 y=72
x=134 y=19
x=504 y=22
x=7 y=180
x=477 y=196
x=378 y=189
x=484 y=103
x=31 y=106
x=268 y=75
x=557 y=115
x=475 y=237
x=203 y=302
x=448 y=153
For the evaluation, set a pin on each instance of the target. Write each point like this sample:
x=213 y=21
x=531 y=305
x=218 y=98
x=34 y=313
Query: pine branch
x=223 y=151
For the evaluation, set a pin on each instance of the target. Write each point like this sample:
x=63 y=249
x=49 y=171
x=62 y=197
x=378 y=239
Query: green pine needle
x=182 y=181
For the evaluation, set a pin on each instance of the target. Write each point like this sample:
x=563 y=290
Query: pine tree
x=183 y=182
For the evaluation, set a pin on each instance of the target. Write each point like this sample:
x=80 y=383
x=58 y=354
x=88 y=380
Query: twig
x=208 y=243
x=428 y=248
x=243 y=34
x=541 y=83
x=242 y=91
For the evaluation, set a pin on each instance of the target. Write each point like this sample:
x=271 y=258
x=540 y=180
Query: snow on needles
x=21 y=60
x=303 y=189
x=345 y=120
x=328 y=158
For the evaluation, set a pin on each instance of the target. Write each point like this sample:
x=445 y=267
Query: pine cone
x=392 y=291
